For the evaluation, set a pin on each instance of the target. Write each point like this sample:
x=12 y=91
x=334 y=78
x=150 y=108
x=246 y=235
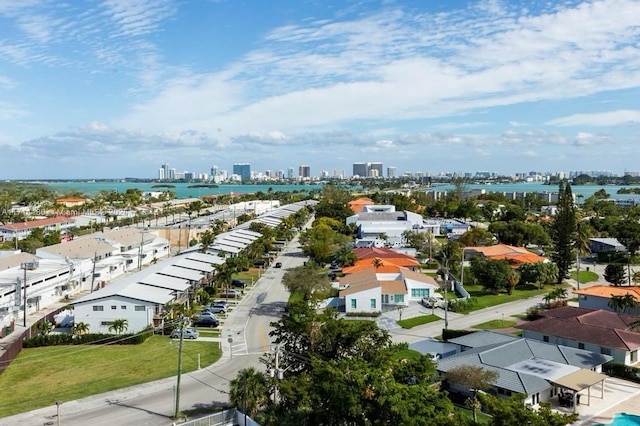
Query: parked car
x=221 y=302
x=187 y=333
x=207 y=312
x=206 y=322
x=218 y=308
x=238 y=283
x=231 y=293
x=278 y=265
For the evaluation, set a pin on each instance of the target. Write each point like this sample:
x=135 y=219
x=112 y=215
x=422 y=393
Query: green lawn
x=407 y=354
x=483 y=419
x=585 y=276
x=485 y=300
x=39 y=377
x=415 y=321
x=495 y=325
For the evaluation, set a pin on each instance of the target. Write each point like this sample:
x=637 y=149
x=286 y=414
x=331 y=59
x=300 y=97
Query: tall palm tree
x=43 y=327
x=616 y=303
x=249 y=391
x=582 y=244
x=206 y=240
x=119 y=326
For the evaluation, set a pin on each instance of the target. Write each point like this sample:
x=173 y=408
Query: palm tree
x=616 y=303
x=79 y=328
x=249 y=391
x=512 y=280
x=206 y=240
x=43 y=327
x=119 y=326
x=582 y=244
x=377 y=262
x=345 y=256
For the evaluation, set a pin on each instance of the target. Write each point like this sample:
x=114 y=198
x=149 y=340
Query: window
x=123 y=307
x=105 y=323
x=545 y=338
x=139 y=308
x=114 y=307
x=605 y=351
x=419 y=292
x=97 y=308
x=354 y=303
x=580 y=345
x=398 y=298
x=634 y=356
x=373 y=303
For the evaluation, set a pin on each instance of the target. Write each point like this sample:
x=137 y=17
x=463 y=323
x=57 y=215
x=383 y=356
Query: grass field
x=39 y=377
x=495 y=325
x=415 y=321
x=585 y=276
x=485 y=300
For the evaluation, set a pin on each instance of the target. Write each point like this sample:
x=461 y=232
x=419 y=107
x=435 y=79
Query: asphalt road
x=153 y=403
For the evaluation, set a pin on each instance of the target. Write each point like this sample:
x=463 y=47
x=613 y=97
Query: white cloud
x=583 y=139
x=609 y=118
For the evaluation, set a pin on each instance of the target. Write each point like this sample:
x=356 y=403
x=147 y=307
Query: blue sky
x=114 y=88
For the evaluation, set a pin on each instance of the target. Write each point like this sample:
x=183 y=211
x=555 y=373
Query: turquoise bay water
x=182 y=190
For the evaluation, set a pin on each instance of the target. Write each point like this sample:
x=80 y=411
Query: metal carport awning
x=580 y=380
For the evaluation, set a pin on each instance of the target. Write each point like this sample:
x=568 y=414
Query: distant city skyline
x=372 y=169
x=112 y=89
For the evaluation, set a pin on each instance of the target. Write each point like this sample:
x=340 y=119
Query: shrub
x=461 y=305
x=623 y=371
x=363 y=314
x=452 y=334
x=534 y=313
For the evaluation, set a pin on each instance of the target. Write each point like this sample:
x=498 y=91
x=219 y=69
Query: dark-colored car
x=238 y=284
x=206 y=322
x=278 y=265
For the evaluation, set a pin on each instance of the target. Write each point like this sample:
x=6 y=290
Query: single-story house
x=599 y=296
x=514 y=255
x=368 y=291
x=536 y=369
x=397 y=258
x=605 y=244
x=598 y=331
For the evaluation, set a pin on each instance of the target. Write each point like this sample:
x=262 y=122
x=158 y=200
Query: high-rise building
x=243 y=170
x=364 y=169
x=214 y=170
x=391 y=172
x=166 y=173
x=360 y=169
x=290 y=173
x=304 y=171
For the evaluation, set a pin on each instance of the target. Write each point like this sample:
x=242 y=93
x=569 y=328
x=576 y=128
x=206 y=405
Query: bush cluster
x=363 y=314
x=462 y=305
x=622 y=371
x=84 y=339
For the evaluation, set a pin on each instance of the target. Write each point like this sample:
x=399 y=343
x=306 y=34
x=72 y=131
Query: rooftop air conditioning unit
x=30 y=266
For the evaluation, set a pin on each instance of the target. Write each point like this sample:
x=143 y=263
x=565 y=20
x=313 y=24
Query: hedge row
x=84 y=339
x=622 y=371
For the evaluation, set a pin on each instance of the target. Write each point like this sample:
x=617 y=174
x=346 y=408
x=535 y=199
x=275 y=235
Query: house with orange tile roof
x=387 y=255
x=71 y=201
x=22 y=230
x=595 y=330
x=514 y=255
x=598 y=296
x=369 y=290
x=358 y=204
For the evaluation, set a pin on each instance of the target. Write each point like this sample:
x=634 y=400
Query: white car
x=187 y=333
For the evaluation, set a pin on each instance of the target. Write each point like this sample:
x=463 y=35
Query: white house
x=367 y=291
x=135 y=302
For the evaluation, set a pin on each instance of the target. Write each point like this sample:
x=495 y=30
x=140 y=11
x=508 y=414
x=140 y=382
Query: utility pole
x=93 y=271
x=24 y=292
x=177 y=410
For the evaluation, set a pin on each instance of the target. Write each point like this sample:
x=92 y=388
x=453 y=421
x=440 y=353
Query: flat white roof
x=176 y=271
x=165 y=281
x=194 y=264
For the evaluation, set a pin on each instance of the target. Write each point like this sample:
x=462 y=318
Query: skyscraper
x=243 y=170
x=391 y=172
x=304 y=171
x=365 y=169
x=290 y=173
